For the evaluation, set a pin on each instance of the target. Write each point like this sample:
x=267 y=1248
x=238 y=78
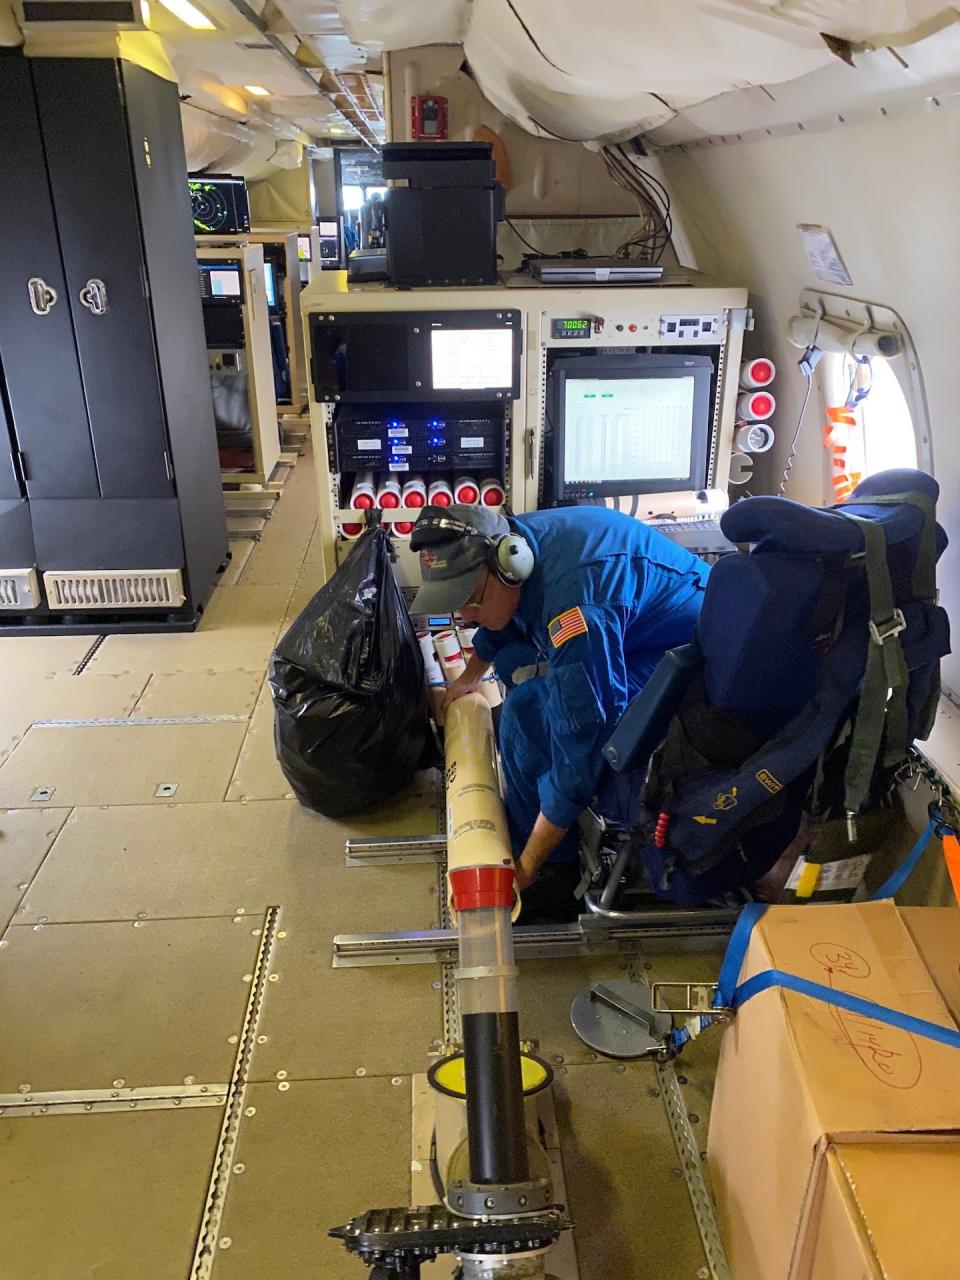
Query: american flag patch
x=565 y=626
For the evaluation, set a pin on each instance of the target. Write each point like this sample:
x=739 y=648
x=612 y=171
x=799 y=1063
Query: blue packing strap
x=732 y=994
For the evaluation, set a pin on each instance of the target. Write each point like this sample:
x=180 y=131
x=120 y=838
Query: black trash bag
x=350 y=710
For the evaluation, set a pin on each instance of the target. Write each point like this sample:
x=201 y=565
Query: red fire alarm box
x=428 y=117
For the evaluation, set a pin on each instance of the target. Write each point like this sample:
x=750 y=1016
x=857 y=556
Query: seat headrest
x=779 y=524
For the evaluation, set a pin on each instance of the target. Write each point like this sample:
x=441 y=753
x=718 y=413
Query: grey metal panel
x=153 y=111
x=150 y=1003
x=16 y=536
x=111 y=1196
x=95 y=200
x=42 y=373
x=118 y=533
x=310 y=1155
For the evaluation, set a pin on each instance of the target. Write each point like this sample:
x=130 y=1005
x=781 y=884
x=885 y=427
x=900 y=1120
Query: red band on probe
x=476 y=887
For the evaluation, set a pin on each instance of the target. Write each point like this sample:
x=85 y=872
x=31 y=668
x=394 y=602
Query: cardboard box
x=887 y=1212
x=825 y=1122
x=936 y=935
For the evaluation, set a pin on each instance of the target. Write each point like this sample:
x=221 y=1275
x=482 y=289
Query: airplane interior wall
x=547 y=177
x=889 y=192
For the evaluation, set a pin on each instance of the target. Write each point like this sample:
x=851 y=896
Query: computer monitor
x=221 y=283
x=629 y=424
x=270 y=274
x=328 y=231
x=471 y=359
x=304 y=250
x=220 y=205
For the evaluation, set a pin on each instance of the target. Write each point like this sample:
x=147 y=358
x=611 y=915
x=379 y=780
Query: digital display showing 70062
x=571 y=328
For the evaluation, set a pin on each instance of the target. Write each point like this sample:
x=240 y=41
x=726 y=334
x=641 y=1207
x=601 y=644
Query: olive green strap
x=883 y=696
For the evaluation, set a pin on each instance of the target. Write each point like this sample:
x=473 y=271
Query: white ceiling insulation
x=623 y=66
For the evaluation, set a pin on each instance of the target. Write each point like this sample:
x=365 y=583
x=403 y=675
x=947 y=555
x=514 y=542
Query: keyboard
x=699 y=534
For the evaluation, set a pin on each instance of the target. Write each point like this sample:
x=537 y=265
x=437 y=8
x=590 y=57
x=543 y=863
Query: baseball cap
x=451 y=559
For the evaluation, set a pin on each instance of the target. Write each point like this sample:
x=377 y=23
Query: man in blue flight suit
x=575 y=608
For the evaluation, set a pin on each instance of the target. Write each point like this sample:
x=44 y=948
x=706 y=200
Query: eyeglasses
x=476 y=596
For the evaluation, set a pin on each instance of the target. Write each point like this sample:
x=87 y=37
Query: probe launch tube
x=484 y=898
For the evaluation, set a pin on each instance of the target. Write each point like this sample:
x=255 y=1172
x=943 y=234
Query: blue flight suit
x=607 y=597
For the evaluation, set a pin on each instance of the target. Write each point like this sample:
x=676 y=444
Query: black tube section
x=496 y=1127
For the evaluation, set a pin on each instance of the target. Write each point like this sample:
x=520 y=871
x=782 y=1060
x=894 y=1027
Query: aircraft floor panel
x=111 y=1195
x=61 y=697
x=30 y=657
x=309 y=1157
x=237 y=632
x=200 y=693
x=321 y=1023
x=150 y=1003
x=162 y=861
x=113 y=764
x=626 y=1190
x=26 y=837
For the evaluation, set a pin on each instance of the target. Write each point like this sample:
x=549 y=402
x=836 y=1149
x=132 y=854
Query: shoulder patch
x=565 y=626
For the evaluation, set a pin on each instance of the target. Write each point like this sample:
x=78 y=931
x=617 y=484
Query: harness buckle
x=687 y=998
x=888 y=630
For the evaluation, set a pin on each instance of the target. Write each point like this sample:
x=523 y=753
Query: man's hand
x=469 y=682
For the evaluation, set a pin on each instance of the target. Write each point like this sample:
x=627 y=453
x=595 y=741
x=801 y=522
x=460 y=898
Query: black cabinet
x=102 y=349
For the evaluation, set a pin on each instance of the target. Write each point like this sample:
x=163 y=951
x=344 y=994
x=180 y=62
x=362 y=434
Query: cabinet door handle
x=42 y=297
x=93 y=296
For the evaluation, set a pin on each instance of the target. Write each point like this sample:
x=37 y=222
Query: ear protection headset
x=510 y=557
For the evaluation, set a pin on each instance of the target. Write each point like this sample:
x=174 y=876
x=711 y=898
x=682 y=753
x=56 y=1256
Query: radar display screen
x=220 y=206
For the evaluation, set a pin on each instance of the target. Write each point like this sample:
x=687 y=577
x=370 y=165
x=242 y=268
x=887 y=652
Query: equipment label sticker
x=369 y=444
x=398 y=433
x=471 y=442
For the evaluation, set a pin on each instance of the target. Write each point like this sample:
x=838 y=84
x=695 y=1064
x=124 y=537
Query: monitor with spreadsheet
x=625 y=424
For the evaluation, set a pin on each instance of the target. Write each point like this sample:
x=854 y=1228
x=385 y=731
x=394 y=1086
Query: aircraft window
x=869 y=424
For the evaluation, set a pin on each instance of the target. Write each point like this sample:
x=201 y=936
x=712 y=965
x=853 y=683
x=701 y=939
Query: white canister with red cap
x=466 y=490
x=363 y=497
x=492 y=494
x=414 y=492
x=440 y=494
x=450 y=654
x=432 y=673
x=757 y=373
x=755 y=406
x=388 y=492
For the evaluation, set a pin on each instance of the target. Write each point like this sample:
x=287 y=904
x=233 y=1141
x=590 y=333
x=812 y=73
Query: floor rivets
x=118 y=1084
x=225 y=1242
x=250 y=1111
x=361 y=1071
x=165 y=790
x=283 y=1086
x=189 y=1079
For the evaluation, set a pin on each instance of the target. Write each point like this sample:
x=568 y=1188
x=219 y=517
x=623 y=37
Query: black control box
x=419 y=438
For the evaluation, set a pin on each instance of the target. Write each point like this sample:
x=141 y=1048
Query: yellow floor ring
x=449 y=1075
